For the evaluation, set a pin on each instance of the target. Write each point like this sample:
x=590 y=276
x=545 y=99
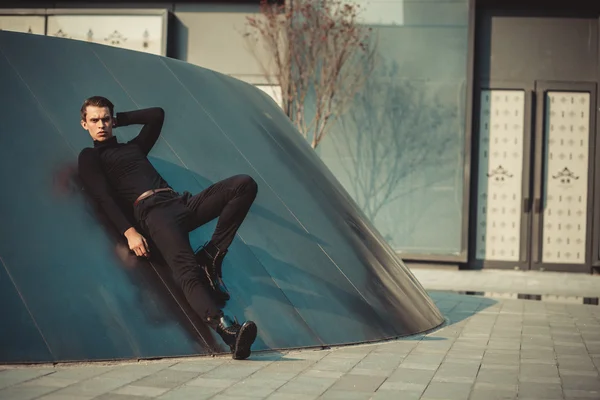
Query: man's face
x=98 y=122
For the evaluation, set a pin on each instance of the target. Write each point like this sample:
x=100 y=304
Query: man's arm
x=151 y=118
x=96 y=184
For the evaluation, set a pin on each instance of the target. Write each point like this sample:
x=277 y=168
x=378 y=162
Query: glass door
x=563 y=176
x=533 y=193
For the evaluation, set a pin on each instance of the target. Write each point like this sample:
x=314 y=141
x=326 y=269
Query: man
x=119 y=175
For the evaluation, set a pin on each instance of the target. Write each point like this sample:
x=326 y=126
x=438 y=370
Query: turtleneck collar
x=105 y=143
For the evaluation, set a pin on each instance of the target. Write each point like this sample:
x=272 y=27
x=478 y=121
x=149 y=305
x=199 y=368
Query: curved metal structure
x=306 y=265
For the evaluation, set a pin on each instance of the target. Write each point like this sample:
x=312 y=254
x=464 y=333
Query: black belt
x=149 y=193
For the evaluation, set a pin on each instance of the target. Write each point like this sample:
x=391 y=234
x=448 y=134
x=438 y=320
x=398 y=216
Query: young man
x=119 y=175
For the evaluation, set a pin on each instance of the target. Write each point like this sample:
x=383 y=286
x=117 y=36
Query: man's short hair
x=96 y=101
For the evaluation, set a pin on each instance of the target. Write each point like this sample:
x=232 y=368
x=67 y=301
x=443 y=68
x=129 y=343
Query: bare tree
x=319 y=55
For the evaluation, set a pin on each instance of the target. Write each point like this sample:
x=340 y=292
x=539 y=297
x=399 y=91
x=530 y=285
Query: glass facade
x=400 y=150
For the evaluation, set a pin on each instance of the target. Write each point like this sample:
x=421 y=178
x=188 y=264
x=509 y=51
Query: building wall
x=212 y=36
x=208 y=35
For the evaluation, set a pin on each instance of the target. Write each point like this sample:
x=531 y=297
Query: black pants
x=169 y=217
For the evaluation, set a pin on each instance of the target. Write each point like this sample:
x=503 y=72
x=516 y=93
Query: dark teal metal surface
x=306 y=265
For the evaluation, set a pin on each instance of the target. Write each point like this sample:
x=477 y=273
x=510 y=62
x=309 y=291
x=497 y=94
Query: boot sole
x=244 y=341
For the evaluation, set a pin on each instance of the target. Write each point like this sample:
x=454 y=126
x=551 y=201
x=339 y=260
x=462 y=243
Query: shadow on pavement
x=457 y=307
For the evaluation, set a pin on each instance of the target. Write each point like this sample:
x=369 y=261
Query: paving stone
x=306 y=355
x=234 y=371
x=492 y=394
x=370 y=372
x=495 y=358
x=9 y=377
x=475 y=354
x=196 y=366
x=249 y=391
x=447 y=390
x=287 y=367
x=421 y=376
x=538 y=354
x=540 y=379
x=403 y=386
x=396 y=395
x=291 y=396
x=345 y=395
x=115 y=396
x=504 y=345
x=428 y=367
x=539 y=390
x=54 y=396
x=94 y=386
x=341 y=365
x=574 y=372
x=534 y=361
x=358 y=383
x=282 y=375
x=570 y=350
x=537 y=346
x=466 y=344
x=581 y=383
x=581 y=394
x=433 y=346
x=135 y=371
x=549 y=371
x=21 y=392
x=322 y=374
x=495 y=386
x=385 y=357
x=135 y=390
x=50 y=381
x=576 y=362
x=500 y=367
x=261 y=382
x=211 y=382
x=399 y=347
x=388 y=364
x=536 y=340
x=166 y=379
x=307 y=385
x=505 y=352
x=497 y=376
x=81 y=372
x=190 y=393
x=461 y=373
x=433 y=359
x=462 y=361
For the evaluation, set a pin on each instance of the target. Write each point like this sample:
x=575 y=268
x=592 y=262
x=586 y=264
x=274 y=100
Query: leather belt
x=149 y=193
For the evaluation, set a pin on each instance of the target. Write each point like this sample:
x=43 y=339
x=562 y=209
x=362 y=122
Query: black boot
x=210 y=259
x=238 y=337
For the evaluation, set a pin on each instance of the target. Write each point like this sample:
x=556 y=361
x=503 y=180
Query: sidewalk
x=489 y=349
x=556 y=286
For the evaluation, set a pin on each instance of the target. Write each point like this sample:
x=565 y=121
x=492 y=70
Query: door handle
x=537 y=206
x=526 y=205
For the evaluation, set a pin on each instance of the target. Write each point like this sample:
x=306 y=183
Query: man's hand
x=137 y=243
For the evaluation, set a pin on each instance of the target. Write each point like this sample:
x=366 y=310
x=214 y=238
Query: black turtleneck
x=116 y=173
